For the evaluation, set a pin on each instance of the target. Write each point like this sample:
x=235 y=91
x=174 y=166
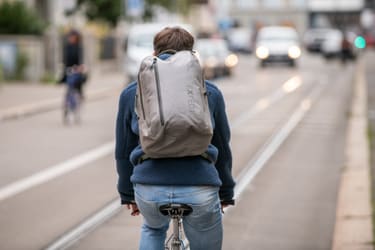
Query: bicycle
x=72 y=106
x=176 y=212
x=72 y=100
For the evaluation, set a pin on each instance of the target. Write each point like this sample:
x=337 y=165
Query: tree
x=111 y=10
x=104 y=10
x=17 y=18
x=177 y=6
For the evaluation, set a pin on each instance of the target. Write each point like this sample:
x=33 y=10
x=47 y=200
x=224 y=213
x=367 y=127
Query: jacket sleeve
x=220 y=140
x=126 y=141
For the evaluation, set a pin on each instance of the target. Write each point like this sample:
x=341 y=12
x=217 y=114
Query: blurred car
x=370 y=38
x=139 y=44
x=314 y=38
x=331 y=46
x=215 y=57
x=339 y=45
x=240 y=40
x=277 y=44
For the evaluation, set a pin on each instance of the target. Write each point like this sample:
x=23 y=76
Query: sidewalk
x=353 y=230
x=22 y=99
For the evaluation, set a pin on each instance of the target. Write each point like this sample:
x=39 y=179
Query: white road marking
x=288 y=87
x=254 y=166
x=56 y=171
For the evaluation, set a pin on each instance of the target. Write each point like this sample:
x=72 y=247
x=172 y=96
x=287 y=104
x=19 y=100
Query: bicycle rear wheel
x=72 y=107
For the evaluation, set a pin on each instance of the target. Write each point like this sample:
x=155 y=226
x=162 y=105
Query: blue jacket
x=187 y=171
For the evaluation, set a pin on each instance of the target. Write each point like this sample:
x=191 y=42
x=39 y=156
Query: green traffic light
x=360 y=42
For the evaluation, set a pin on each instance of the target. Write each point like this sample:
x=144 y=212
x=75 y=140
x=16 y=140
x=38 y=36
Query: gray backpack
x=172 y=107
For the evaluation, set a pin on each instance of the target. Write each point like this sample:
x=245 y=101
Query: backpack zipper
x=158 y=91
x=141 y=99
x=204 y=94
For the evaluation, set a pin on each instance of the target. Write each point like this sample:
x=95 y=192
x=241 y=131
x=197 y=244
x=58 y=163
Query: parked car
x=215 y=57
x=240 y=40
x=277 y=44
x=314 y=38
x=139 y=44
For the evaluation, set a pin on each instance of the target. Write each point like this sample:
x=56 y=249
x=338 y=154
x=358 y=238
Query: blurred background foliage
x=17 y=18
x=176 y=6
x=102 y=10
x=111 y=11
x=22 y=60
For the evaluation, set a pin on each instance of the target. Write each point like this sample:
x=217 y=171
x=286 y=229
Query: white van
x=139 y=44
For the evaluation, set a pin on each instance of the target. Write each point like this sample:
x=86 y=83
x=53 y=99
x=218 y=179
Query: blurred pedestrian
x=346 y=49
x=73 y=57
x=203 y=181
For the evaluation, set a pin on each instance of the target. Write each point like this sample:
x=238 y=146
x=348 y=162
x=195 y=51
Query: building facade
x=335 y=13
x=259 y=13
x=301 y=14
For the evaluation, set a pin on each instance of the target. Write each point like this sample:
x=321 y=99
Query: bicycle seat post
x=176 y=241
x=176 y=212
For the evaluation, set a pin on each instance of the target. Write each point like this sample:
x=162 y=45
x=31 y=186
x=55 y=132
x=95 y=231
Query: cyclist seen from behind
x=73 y=57
x=146 y=181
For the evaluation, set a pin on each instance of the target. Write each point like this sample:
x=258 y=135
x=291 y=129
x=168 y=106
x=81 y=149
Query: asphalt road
x=287 y=124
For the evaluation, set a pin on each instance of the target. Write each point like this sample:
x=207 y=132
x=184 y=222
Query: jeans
x=203 y=227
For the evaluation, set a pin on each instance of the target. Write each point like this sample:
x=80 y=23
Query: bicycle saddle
x=175 y=209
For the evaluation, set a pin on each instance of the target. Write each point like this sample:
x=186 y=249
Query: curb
x=353 y=228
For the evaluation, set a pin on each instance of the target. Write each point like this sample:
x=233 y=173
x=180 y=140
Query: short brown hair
x=173 y=38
